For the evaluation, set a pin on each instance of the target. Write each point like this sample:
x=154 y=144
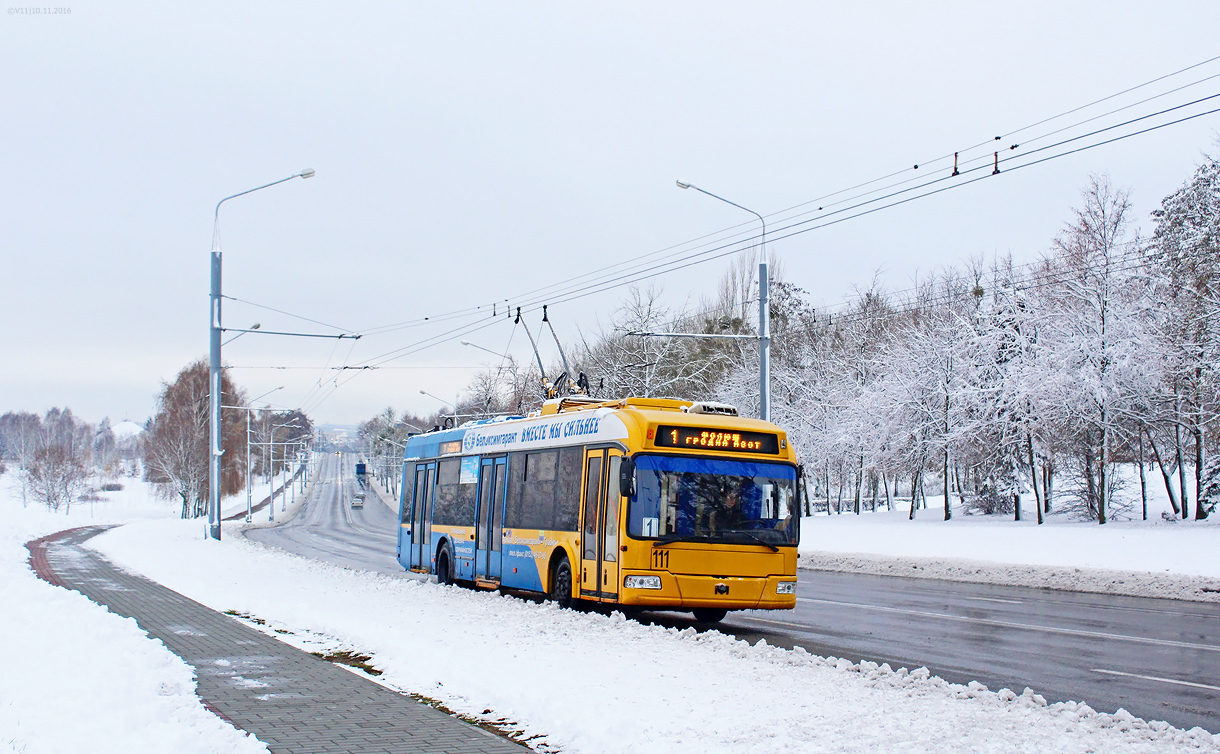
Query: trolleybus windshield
x=704 y=500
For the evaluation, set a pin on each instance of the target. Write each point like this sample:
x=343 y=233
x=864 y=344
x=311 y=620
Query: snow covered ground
x=1155 y=558
x=76 y=677
x=526 y=666
x=597 y=683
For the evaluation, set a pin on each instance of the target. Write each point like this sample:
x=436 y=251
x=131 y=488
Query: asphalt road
x=1158 y=659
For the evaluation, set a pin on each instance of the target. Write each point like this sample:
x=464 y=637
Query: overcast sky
x=472 y=152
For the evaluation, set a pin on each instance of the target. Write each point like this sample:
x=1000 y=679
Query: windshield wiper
x=757 y=539
x=687 y=538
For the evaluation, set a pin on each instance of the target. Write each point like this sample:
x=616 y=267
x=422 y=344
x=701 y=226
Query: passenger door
x=493 y=474
x=421 y=528
x=599 y=538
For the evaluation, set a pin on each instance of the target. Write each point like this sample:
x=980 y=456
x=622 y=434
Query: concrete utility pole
x=764 y=310
x=215 y=448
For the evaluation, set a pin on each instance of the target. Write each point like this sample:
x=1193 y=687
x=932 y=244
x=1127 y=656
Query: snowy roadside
x=542 y=670
x=1172 y=560
x=76 y=677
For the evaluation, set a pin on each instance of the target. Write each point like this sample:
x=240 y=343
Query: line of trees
x=57 y=454
x=177 y=437
x=982 y=383
x=59 y=457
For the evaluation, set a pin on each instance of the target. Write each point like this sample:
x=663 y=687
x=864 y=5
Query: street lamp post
x=249 y=468
x=214 y=379
x=764 y=310
x=271 y=468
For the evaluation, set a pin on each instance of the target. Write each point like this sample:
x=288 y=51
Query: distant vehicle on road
x=361 y=476
x=358 y=500
x=642 y=502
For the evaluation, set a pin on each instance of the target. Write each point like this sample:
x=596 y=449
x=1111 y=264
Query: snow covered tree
x=1186 y=249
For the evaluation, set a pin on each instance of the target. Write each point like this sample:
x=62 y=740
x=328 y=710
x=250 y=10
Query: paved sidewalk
x=289 y=699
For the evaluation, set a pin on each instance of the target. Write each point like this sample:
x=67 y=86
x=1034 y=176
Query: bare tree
x=57 y=477
x=176 y=445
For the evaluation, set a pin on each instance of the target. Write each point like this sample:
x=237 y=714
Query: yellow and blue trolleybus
x=641 y=502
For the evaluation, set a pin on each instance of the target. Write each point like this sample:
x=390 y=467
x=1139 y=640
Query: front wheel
x=709 y=614
x=561 y=583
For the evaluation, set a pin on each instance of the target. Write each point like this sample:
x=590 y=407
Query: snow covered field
x=76 y=677
x=652 y=689
x=1154 y=558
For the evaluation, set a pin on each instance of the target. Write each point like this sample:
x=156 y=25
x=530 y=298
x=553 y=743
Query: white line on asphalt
x=1027 y=626
x=774 y=622
x=1156 y=678
x=955 y=596
x=994 y=599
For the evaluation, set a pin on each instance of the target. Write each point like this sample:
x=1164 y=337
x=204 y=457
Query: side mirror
x=626 y=477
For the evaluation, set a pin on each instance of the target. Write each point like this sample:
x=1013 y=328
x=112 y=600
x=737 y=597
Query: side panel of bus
x=542 y=515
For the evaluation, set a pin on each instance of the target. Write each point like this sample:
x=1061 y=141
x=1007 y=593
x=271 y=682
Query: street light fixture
x=512 y=372
x=214 y=447
x=442 y=400
x=481 y=348
x=764 y=309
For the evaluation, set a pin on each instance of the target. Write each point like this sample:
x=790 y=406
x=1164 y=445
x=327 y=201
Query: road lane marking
x=1027 y=626
x=993 y=599
x=1156 y=678
x=949 y=594
x=802 y=626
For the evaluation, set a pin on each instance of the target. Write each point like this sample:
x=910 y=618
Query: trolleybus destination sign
x=716 y=439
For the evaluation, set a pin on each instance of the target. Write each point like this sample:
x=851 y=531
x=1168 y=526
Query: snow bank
x=76 y=677
x=1159 y=558
x=594 y=683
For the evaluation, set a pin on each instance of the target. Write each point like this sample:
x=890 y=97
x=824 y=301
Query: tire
x=709 y=614
x=560 y=591
x=444 y=567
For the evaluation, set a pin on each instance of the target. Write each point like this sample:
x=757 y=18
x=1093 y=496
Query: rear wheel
x=444 y=567
x=709 y=614
x=561 y=583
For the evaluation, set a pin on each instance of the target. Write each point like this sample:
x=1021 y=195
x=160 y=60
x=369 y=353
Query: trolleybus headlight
x=642 y=582
x=785 y=587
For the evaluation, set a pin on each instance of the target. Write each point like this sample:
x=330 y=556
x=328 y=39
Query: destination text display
x=716 y=439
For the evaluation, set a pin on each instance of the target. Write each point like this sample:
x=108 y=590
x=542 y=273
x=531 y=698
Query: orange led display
x=715 y=439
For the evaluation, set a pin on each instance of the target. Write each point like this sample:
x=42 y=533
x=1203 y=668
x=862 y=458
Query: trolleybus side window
x=593 y=483
x=612 y=499
x=454 y=504
x=486 y=502
x=567 y=490
x=545 y=490
x=538 y=492
x=423 y=486
x=408 y=492
x=497 y=534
